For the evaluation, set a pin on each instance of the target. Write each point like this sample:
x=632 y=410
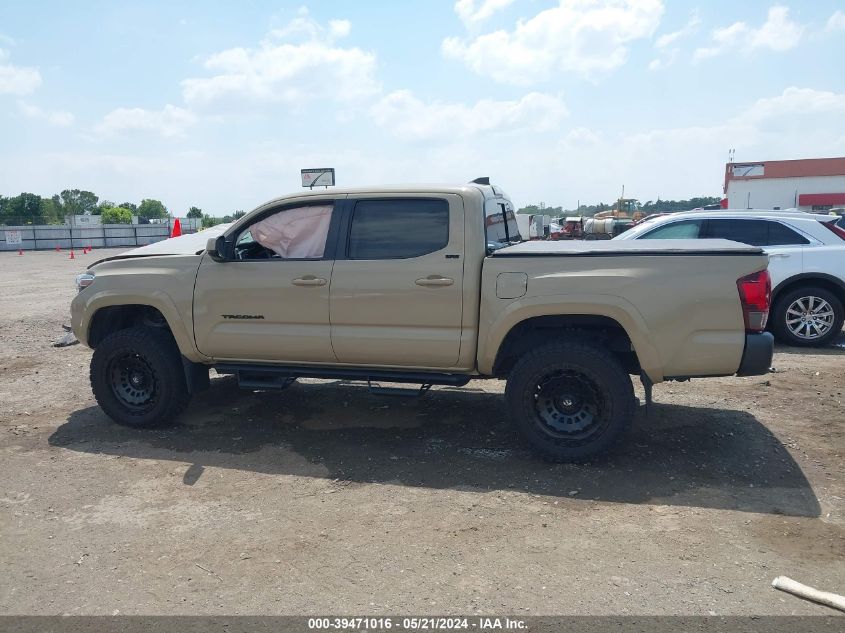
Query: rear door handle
x=779 y=255
x=434 y=281
x=309 y=281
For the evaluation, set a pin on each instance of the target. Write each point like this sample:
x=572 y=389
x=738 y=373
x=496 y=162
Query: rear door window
x=752 y=232
x=782 y=235
x=398 y=229
x=683 y=230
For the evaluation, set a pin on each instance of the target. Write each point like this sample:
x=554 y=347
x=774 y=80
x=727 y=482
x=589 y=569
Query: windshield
x=641 y=227
x=499 y=231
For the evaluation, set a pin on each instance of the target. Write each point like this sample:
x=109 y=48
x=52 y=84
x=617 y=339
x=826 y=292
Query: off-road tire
x=593 y=377
x=781 y=329
x=137 y=377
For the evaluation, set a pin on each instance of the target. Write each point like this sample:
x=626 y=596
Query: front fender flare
x=84 y=307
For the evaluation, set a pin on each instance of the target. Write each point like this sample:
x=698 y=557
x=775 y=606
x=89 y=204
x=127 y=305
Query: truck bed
x=609 y=248
x=677 y=300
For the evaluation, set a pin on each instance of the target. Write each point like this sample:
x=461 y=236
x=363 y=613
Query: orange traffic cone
x=177 y=228
x=72 y=256
x=20 y=251
x=58 y=248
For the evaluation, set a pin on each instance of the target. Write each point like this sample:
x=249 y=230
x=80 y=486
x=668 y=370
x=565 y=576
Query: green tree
x=51 y=211
x=116 y=215
x=150 y=208
x=668 y=206
x=533 y=209
x=24 y=208
x=194 y=212
x=129 y=205
x=209 y=220
x=78 y=202
x=237 y=215
x=104 y=204
x=5 y=204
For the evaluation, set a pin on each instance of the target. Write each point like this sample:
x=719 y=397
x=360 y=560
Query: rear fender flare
x=616 y=308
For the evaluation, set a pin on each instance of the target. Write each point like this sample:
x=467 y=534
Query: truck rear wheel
x=137 y=377
x=571 y=400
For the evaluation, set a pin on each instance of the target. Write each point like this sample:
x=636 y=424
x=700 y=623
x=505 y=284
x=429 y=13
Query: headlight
x=84 y=280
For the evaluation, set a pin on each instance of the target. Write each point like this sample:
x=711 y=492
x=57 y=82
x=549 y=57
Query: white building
x=814 y=184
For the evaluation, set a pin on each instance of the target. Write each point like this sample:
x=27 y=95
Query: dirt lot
x=325 y=498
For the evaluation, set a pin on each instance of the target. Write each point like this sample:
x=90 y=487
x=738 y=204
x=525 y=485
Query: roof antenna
x=484 y=180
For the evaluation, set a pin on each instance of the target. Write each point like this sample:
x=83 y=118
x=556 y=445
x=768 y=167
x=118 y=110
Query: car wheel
x=137 y=377
x=570 y=400
x=807 y=317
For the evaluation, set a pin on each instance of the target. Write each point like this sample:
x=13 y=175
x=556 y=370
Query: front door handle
x=309 y=280
x=434 y=281
x=779 y=255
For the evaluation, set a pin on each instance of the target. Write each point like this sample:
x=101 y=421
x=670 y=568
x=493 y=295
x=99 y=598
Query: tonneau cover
x=609 y=248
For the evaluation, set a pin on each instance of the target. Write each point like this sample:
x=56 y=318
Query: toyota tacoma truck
x=425 y=285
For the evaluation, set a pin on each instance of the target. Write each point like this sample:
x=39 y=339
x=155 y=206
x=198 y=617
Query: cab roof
x=487 y=191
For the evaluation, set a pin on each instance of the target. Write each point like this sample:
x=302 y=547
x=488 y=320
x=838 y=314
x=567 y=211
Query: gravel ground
x=327 y=499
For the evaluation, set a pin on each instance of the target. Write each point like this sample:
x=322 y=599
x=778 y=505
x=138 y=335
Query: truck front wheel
x=570 y=399
x=137 y=377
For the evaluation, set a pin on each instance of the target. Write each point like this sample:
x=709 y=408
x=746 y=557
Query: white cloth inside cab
x=295 y=233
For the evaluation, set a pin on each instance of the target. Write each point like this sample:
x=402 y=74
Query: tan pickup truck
x=428 y=286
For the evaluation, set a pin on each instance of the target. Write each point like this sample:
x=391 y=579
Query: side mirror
x=216 y=247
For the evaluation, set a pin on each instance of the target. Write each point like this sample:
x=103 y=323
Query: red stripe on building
x=790 y=169
x=809 y=199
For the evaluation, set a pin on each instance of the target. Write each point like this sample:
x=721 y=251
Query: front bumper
x=757 y=356
x=77 y=314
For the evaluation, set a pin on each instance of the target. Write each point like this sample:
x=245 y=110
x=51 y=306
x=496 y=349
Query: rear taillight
x=836 y=229
x=755 y=294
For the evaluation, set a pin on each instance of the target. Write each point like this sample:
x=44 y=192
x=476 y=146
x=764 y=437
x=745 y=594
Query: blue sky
x=220 y=105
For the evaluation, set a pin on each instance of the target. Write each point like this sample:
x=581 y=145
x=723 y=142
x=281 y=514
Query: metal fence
x=50 y=236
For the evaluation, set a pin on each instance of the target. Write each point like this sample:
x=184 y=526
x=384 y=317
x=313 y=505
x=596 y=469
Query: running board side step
x=280 y=376
x=378 y=390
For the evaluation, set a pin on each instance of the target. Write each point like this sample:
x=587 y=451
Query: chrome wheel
x=809 y=318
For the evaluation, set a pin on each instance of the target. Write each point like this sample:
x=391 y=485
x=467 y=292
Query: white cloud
x=340 y=28
x=409 y=118
x=836 y=22
x=680 y=162
x=298 y=62
x=472 y=12
x=666 y=44
x=578 y=36
x=581 y=136
x=17 y=80
x=778 y=33
x=664 y=60
x=796 y=102
x=690 y=27
x=169 y=122
x=586 y=164
x=58 y=118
